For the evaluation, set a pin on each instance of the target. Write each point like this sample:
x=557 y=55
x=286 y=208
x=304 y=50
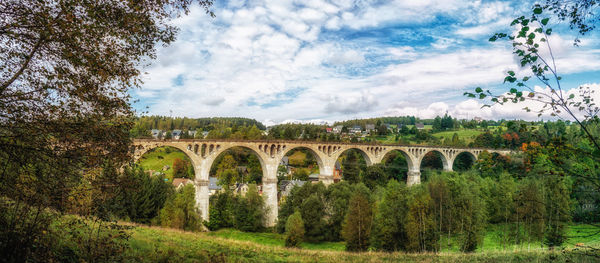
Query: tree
x=581 y=14
x=389 y=232
x=357 y=225
x=67 y=68
x=249 y=211
x=351 y=170
x=221 y=209
x=313 y=212
x=420 y=226
x=180 y=211
x=375 y=176
x=179 y=168
x=294 y=230
x=529 y=42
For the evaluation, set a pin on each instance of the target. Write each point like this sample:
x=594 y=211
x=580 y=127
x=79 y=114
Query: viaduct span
x=203 y=153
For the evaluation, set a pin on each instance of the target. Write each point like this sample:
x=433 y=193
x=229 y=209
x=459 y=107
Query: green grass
x=152 y=160
x=467 y=135
x=274 y=239
x=152 y=244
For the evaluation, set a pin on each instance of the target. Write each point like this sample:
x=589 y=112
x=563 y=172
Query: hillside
x=152 y=244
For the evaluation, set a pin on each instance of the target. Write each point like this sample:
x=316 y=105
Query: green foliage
x=420 y=228
x=179 y=210
x=374 y=176
x=139 y=196
x=249 y=211
x=313 y=213
x=557 y=210
x=351 y=168
x=389 y=231
x=356 y=229
x=294 y=230
x=222 y=211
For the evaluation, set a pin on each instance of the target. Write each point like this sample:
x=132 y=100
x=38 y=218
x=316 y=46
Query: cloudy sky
x=325 y=60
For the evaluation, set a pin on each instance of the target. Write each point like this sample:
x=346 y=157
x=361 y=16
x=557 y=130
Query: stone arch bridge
x=203 y=153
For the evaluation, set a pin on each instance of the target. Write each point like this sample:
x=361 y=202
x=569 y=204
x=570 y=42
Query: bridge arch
x=362 y=152
x=462 y=159
x=315 y=154
x=445 y=159
x=140 y=150
x=409 y=160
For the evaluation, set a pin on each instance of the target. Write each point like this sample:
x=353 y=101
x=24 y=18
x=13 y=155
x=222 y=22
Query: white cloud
x=271 y=61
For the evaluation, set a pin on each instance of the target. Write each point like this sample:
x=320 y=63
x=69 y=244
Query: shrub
x=294 y=230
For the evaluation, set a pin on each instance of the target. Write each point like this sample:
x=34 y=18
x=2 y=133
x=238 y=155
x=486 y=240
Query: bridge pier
x=413 y=177
x=202 y=198
x=269 y=192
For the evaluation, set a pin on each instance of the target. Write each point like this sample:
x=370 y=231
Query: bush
x=294 y=230
x=179 y=210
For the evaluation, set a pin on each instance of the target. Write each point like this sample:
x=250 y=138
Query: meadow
x=153 y=244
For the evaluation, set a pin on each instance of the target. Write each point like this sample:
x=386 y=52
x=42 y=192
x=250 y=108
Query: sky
x=321 y=61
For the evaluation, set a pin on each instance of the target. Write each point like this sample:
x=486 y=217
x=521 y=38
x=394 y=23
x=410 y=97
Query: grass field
x=467 y=135
x=578 y=233
x=157 y=159
x=151 y=244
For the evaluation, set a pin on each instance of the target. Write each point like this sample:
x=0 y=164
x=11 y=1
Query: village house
x=156 y=134
x=337 y=172
x=213 y=187
x=420 y=126
x=355 y=129
x=369 y=128
x=176 y=134
x=337 y=129
x=329 y=130
x=181 y=182
x=286 y=186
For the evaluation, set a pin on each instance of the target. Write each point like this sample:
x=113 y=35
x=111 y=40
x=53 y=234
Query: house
x=192 y=134
x=286 y=186
x=314 y=178
x=176 y=134
x=204 y=134
x=478 y=119
x=337 y=129
x=181 y=182
x=420 y=126
x=355 y=129
x=213 y=187
x=156 y=134
x=240 y=189
x=285 y=162
x=370 y=127
x=337 y=172
x=329 y=130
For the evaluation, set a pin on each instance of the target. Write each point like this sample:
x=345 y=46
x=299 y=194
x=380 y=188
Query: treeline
x=134 y=195
x=529 y=198
x=297 y=131
x=519 y=132
x=143 y=125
